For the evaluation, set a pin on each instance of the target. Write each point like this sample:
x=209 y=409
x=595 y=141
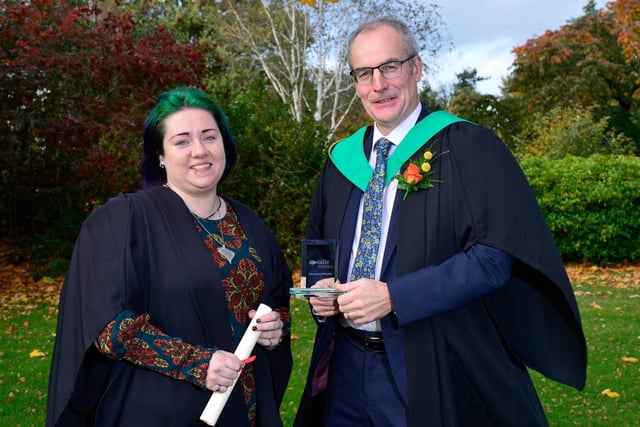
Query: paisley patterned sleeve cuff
x=134 y=339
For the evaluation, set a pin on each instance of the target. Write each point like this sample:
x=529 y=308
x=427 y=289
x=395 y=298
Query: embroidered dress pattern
x=243 y=283
x=133 y=338
x=365 y=262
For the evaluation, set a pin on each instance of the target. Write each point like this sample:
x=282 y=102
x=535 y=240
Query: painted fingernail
x=255 y=328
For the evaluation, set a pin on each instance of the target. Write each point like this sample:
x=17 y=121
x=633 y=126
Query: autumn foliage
x=628 y=31
x=593 y=61
x=76 y=85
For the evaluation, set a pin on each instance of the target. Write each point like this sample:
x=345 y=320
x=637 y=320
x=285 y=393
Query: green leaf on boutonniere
x=417 y=174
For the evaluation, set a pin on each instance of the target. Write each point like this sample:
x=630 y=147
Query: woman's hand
x=270 y=327
x=224 y=368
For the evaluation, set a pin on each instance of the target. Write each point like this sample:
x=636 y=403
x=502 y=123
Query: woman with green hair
x=162 y=286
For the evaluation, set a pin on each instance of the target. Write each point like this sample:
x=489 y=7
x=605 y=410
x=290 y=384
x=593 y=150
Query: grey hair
x=408 y=40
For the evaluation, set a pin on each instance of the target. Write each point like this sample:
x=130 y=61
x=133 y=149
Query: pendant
x=226 y=252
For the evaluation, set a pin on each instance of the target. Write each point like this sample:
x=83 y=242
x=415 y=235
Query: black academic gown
x=142 y=252
x=467 y=366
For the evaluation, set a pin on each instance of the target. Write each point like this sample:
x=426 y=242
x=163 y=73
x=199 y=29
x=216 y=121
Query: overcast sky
x=484 y=32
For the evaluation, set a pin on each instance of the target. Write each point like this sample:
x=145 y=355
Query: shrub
x=591 y=205
x=563 y=131
x=279 y=161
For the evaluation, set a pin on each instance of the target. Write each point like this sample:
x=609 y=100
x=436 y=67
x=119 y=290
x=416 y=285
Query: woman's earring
x=161 y=165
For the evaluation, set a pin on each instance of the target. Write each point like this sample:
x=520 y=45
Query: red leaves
x=76 y=85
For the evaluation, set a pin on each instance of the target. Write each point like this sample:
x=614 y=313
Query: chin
x=385 y=113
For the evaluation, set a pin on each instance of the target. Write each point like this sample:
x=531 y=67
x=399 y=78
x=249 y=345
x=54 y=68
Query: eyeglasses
x=389 y=70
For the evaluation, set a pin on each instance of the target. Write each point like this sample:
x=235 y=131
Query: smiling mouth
x=201 y=166
x=384 y=100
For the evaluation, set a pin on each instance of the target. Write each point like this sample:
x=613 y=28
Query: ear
x=418 y=66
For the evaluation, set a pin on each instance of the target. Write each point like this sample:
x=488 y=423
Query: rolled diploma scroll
x=216 y=403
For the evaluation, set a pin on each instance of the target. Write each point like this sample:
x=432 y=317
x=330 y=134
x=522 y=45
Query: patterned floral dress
x=133 y=338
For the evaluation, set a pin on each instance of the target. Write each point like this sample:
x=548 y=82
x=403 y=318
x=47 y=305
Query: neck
x=206 y=205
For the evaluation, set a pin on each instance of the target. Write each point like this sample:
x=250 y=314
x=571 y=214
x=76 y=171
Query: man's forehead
x=376 y=46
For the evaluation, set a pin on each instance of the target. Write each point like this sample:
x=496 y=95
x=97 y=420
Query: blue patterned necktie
x=365 y=262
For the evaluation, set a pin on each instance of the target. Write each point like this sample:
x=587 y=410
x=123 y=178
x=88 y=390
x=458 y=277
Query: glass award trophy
x=319 y=261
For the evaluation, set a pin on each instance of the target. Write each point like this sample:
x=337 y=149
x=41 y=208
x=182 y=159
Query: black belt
x=373 y=344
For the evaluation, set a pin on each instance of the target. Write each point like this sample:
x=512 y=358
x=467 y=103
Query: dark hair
x=154 y=131
x=408 y=40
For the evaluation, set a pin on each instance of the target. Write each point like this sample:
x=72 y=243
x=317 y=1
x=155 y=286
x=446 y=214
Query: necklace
x=166 y=185
x=212 y=213
x=227 y=253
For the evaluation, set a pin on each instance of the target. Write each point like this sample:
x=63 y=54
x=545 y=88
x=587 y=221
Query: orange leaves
x=606 y=296
x=627 y=28
x=19 y=289
x=591 y=60
x=27 y=321
x=312 y=3
x=613 y=277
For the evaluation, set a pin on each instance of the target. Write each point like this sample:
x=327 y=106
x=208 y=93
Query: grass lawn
x=609 y=301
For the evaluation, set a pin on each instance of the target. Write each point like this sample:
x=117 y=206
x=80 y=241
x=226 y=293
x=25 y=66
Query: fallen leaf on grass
x=36 y=353
x=612 y=394
x=630 y=359
x=596 y=306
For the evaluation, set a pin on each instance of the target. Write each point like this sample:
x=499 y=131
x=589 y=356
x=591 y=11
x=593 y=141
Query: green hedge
x=591 y=205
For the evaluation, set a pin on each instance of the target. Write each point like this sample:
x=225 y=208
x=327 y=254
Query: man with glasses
x=450 y=282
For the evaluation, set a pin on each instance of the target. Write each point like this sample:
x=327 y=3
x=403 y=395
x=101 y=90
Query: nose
x=198 y=148
x=378 y=82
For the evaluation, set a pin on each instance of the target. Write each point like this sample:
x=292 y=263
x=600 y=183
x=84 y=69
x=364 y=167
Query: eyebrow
x=203 y=131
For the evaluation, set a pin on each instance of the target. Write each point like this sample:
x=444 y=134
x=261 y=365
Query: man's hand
x=366 y=300
x=325 y=306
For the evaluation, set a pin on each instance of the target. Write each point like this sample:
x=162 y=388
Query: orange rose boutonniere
x=417 y=175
